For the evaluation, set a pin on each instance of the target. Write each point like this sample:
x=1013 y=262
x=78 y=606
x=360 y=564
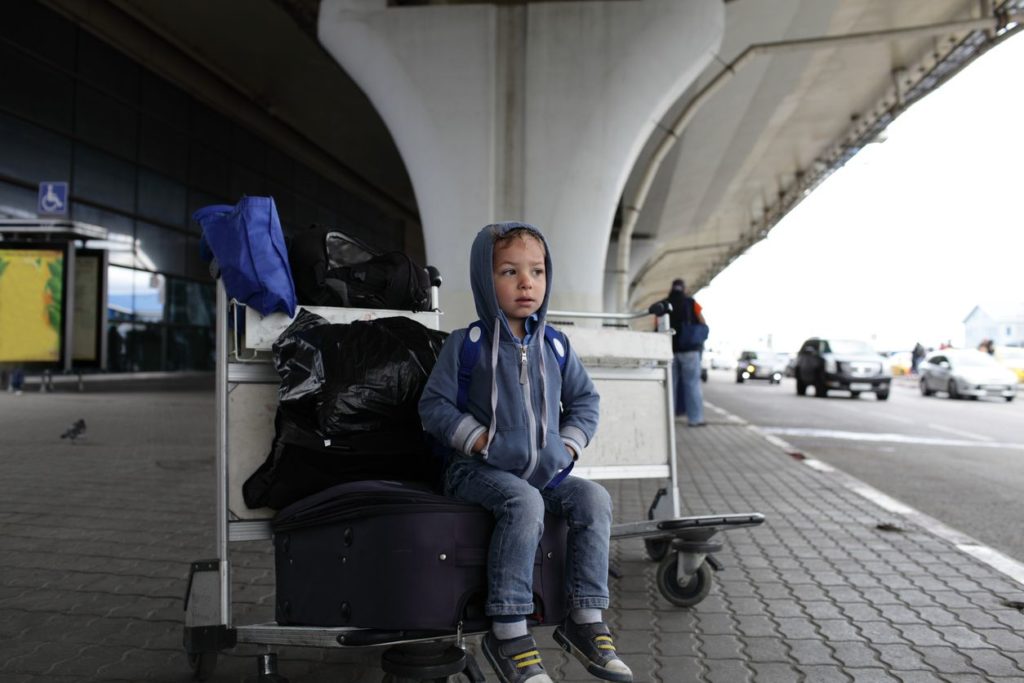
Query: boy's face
x=519 y=279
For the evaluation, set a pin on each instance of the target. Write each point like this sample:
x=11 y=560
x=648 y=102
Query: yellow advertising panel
x=31 y=293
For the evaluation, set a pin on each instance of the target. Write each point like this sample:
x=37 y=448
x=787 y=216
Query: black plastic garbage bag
x=365 y=376
x=348 y=407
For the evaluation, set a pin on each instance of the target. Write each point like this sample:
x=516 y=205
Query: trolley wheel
x=202 y=664
x=657 y=548
x=695 y=590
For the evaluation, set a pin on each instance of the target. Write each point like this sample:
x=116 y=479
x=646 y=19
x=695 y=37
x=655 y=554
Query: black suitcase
x=398 y=556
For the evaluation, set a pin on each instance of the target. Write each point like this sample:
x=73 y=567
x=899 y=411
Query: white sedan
x=963 y=373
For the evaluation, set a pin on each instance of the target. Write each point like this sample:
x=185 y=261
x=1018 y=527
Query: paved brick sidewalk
x=96 y=538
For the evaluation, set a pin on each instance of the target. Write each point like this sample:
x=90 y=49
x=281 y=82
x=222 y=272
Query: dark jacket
x=683 y=313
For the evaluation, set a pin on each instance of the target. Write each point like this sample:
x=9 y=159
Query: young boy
x=525 y=420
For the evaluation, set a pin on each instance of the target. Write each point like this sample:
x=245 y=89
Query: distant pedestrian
x=916 y=356
x=987 y=346
x=17 y=381
x=687 y=322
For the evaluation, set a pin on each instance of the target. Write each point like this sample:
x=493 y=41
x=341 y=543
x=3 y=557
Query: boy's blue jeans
x=518 y=510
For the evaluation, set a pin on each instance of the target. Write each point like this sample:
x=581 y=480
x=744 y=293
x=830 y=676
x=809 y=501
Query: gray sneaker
x=516 y=660
x=592 y=644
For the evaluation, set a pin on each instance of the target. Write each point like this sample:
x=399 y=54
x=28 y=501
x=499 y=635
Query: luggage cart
x=246 y=400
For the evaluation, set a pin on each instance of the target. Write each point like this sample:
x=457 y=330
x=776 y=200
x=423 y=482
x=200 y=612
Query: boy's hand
x=480 y=443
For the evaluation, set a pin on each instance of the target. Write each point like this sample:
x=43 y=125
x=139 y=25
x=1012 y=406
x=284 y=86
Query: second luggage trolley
x=636 y=439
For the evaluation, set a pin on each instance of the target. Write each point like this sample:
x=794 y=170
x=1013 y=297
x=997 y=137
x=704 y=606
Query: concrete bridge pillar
x=532 y=112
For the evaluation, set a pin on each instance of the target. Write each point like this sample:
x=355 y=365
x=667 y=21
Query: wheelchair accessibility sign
x=53 y=199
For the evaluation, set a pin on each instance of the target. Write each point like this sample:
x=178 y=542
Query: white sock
x=585 y=616
x=506 y=630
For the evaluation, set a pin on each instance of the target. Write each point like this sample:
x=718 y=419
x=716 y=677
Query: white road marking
x=959 y=432
x=891 y=438
x=1001 y=563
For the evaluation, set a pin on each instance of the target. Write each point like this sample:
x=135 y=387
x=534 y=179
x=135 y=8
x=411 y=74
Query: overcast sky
x=900 y=244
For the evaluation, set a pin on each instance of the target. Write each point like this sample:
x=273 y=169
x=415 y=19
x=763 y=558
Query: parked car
x=1013 y=358
x=847 y=364
x=963 y=373
x=760 y=365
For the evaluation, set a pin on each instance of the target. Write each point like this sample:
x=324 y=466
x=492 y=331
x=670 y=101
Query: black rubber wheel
x=739 y=379
x=820 y=390
x=801 y=387
x=1009 y=399
x=854 y=394
x=202 y=665
x=689 y=595
x=657 y=548
x=882 y=395
x=925 y=391
x=952 y=390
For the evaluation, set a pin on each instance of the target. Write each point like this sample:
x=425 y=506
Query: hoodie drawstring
x=543 y=387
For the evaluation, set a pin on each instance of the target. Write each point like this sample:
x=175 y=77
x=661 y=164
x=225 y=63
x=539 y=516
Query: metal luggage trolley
x=633 y=373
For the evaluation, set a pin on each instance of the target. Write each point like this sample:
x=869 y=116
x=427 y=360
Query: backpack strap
x=556 y=340
x=469 y=353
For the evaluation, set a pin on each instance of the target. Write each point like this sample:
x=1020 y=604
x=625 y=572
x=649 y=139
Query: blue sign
x=53 y=199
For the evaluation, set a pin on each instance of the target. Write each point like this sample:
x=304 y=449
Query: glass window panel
x=103 y=179
x=163 y=100
x=17 y=201
x=326 y=216
x=210 y=128
x=284 y=199
x=190 y=348
x=305 y=213
x=246 y=181
x=120 y=243
x=247 y=149
x=105 y=122
x=195 y=267
x=148 y=296
x=35 y=91
x=144 y=347
x=208 y=169
x=280 y=167
x=163 y=148
x=159 y=248
x=306 y=181
x=103 y=66
x=40 y=30
x=31 y=153
x=161 y=198
x=190 y=303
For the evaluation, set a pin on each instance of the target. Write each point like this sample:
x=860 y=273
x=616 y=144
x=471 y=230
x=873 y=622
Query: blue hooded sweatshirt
x=530 y=417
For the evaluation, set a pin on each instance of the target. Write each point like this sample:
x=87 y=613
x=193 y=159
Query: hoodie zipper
x=524 y=382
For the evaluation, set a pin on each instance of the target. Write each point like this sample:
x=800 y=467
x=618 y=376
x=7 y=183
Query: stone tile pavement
x=96 y=538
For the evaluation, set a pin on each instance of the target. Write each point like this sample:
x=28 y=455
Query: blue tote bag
x=248 y=244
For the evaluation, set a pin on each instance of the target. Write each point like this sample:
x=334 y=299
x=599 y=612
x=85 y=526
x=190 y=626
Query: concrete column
x=532 y=112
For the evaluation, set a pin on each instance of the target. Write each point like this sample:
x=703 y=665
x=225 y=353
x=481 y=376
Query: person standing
x=916 y=356
x=686 y=314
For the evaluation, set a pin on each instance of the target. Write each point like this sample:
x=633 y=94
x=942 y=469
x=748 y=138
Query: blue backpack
x=469 y=353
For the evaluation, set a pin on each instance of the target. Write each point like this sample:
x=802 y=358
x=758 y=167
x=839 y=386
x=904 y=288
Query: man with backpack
x=690 y=331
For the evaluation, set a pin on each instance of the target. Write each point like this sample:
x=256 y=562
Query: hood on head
x=481 y=273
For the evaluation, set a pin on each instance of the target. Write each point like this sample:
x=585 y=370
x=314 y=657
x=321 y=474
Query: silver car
x=963 y=373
